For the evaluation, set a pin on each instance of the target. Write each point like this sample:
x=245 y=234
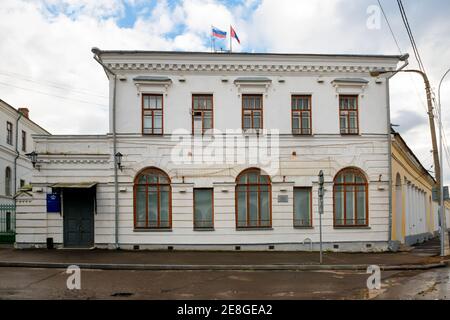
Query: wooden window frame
x=24 y=141
x=310 y=225
x=203 y=112
x=210 y=228
x=8 y=182
x=143 y=110
x=348 y=133
x=300 y=114
x=9 y=133
x=354 y=185
x=261 y=109
x=247 y=185
x=158 y=188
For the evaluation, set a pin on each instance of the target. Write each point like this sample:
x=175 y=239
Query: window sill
x=350 y=134
x=253 y=228
x=303 y=227
x=204 y=229
x=352 y=227
x=152 y=230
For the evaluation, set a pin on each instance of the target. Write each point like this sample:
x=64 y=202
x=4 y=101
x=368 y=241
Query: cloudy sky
x=46 y=63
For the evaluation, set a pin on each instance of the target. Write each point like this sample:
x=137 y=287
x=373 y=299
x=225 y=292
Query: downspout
x=108 y=71
x=388 y=104
x=17 y=154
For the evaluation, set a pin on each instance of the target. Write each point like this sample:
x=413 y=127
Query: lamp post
x=441 y=194
x=118 y=158
x=445 y=250
x=33 y=158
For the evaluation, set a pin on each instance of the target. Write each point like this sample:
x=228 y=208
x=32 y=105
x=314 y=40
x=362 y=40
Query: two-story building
x=222 y=151
x=15 y=168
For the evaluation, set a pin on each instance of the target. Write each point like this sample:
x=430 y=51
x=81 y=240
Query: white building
x=314 y=112
x=15 y=168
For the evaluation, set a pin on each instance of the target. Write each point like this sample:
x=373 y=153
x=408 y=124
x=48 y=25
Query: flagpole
x=231 y=42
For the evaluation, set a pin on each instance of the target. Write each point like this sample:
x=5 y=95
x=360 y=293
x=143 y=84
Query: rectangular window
x=22 y=183
x=301 y=114
x=348 y=114
x=252 y=112
x=202 y=113
x=302 y=207
x=24 y=141
x=203 y=208
x=9 y=133
x=152 y=114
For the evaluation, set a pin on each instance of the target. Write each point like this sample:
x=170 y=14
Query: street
x=39 y=283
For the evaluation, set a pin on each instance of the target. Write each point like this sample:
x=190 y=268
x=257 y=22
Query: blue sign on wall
x=54 y=202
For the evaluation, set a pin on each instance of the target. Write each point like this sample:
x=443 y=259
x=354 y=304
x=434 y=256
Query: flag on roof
x=234 y=35
x=218 y=33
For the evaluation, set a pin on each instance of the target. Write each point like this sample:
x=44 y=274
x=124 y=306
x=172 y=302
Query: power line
x=390 y=28
x=51 y=84
x=53 y=95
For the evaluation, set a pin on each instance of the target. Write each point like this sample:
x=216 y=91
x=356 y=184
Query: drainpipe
x=108 y=72
x=17 y=154
x=388 y=104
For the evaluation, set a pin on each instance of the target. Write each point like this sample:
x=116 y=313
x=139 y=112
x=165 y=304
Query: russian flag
x=218 y=33
x=234 y=35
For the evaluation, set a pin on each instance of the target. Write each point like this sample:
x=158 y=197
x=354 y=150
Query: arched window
x=350 y=194
x=152 y=200
x=8 y=181
x=253 y=200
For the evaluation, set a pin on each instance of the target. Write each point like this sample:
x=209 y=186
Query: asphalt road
x=34 y=283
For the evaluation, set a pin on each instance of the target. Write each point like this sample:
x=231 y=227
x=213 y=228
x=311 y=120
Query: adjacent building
x=222 y=151
x=15 y=168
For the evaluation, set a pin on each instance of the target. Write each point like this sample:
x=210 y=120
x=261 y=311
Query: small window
x=8 y=181
x=22 y=183
x=302 y=207
x=202 y=113
x=24 y=141
x=252 y=112
x=203 y=208
x=152 y=114
x=9 y=133
x=301 y=114
x=348 y=114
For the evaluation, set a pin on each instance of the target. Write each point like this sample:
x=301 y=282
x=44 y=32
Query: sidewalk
x=212 y=260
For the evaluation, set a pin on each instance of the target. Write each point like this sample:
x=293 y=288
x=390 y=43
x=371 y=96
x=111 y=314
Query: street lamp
x=437 y=168
x=118 y=158
x=33 y=157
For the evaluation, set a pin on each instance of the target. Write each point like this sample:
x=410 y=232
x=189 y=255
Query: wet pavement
x=30 y=283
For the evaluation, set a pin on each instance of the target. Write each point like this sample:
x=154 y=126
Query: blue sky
x=47 y=65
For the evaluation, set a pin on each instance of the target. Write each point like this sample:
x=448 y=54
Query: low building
x=415 y=214
x=15 y=168
x=222 y=151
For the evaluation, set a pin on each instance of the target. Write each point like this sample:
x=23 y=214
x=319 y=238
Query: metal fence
x=7 y=223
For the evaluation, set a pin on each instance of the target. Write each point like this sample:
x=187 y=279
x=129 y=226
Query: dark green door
x=78 y=210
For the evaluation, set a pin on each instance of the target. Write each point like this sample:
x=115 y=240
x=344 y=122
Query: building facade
x=15 y=168
x=222 y=151
x=415 y=214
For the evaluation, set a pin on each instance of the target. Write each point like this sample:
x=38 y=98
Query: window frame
x=143 y=110
x=310 y=225
x=9 y=133
x=135 y=187
x=209 y=228
x=8 y=182
x=269 y=185
x=300 y=112
x=354 y=185
x=261 y=109
x=348 y=133
x=24 y=141
x=202 y=111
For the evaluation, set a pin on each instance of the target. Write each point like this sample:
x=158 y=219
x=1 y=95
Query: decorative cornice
x=266 y=68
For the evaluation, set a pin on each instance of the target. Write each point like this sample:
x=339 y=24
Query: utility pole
x=321 y=181
x=445 y=248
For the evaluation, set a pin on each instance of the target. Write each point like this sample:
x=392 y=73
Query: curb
x=172 y=267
